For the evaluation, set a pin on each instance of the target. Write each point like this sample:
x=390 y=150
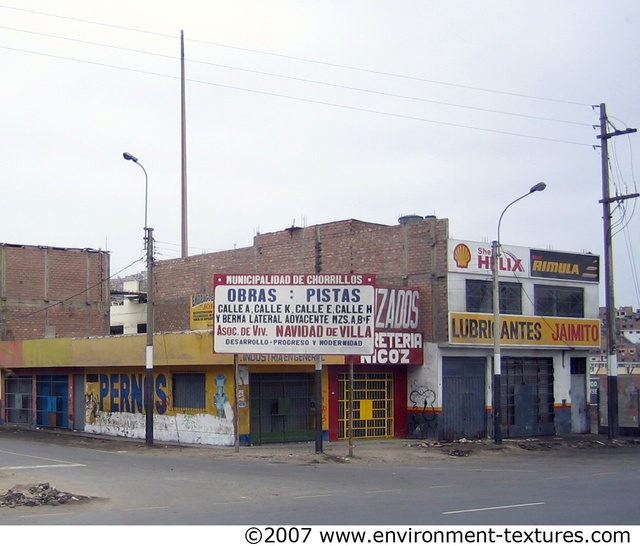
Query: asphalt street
x=133 y=484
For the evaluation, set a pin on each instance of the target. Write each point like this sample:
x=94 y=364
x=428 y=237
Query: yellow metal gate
x=372 y=405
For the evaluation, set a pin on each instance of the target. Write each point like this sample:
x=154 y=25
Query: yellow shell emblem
x=462 y=256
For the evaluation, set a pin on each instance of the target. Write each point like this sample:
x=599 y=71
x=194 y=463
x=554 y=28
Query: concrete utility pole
x=612 y=358
x=184 y=241
x=148 y=390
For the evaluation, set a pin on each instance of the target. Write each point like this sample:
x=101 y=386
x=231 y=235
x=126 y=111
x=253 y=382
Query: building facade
x=549 y=323
x=428 y=377
x=53 y=292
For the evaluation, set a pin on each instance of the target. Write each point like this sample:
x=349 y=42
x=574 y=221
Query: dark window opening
x=558 y=301
x=480 y=297
x=189 y=391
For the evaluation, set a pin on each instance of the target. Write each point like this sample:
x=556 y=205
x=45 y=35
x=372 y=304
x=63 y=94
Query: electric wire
x=300 y=59
x=304 y=80
x=311 y=101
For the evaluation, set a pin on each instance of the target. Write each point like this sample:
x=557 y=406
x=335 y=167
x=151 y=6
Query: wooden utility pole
x=612 y=357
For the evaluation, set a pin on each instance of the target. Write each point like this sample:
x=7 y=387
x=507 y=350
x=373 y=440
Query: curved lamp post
x=495 y=253
x=148 y=389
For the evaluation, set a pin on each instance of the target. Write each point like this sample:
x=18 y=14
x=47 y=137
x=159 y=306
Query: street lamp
x=495 y=254
x=148 y=389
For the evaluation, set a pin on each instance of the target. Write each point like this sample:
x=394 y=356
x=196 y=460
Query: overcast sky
x=312 y=112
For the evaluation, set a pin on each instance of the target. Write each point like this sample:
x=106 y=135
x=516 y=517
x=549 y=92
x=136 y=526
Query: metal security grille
x=372 y=405
x=52 y=401
x=18 y=400
x=189 y=391
x=282 y=407
x=527 y=395
x=463 y=393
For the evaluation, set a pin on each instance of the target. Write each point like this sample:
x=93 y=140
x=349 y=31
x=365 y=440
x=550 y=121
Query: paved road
x=138 y=485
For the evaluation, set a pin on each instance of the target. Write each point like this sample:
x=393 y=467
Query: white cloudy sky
x=312 y=112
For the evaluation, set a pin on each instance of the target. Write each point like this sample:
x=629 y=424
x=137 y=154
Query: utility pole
x=612 y=357
x=184 y=223
x=148 y=390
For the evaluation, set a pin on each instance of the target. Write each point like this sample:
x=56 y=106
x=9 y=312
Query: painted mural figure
x=220 y=397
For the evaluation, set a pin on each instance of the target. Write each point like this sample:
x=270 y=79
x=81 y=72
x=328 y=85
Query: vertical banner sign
x=294 y=314
x=398 y=339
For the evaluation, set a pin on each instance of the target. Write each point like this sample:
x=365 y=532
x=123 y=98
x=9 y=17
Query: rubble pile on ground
x=40 y=494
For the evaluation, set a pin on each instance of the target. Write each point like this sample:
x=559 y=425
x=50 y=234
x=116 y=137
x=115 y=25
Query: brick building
x=431 y=378
x=404 y=255
x=46 y=294
x=53 y=292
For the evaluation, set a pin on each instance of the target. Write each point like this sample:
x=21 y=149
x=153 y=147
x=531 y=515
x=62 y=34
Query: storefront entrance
x=282 y=407
x=51 y=400
x=527 y=397
x=463 y=394
x=19 y=400
x=372 y=405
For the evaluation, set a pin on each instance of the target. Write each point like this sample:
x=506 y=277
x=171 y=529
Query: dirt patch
x=39 y=494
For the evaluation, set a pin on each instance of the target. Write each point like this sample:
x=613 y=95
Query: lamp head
x=130 y=157
x=538 y=187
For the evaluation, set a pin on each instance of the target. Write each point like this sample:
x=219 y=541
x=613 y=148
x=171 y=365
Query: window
x=480 y=297
x=189 y=391
x=117 y=330
x=142 y=328
x=558 y=301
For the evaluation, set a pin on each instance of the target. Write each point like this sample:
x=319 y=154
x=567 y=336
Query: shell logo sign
x=462 y=256
x=470 y=257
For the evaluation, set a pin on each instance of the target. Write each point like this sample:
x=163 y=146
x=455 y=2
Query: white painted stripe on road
x=31 y=467
x=313 y=496
x=35 y=457
x=143 y=508
x=506 y=506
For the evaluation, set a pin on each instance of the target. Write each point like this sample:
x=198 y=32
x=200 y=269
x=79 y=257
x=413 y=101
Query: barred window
x=480 y=297
x=558 y=301
x=189 y=391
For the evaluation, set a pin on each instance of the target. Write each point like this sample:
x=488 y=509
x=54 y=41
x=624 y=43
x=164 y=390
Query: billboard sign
x=472 y=257
x=314 y=314
x=201 y=312
x=563 y=265
x=520 y=330
x=397 y=321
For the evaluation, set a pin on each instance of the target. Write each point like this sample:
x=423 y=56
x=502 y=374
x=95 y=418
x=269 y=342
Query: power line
x=305 y=60
x=304 y=80
x=311 y=101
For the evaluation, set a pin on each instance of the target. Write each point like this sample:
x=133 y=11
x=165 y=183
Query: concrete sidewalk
x=367 y=451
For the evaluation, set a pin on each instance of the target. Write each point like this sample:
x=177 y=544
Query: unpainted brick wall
x=413 y=255
x=65 y=290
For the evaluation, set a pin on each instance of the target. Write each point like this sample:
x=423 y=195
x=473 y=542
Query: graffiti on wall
x=422 y=414
x=114 y=404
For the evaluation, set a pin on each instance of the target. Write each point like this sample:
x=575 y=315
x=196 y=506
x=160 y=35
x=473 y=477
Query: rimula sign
x=294 y=314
